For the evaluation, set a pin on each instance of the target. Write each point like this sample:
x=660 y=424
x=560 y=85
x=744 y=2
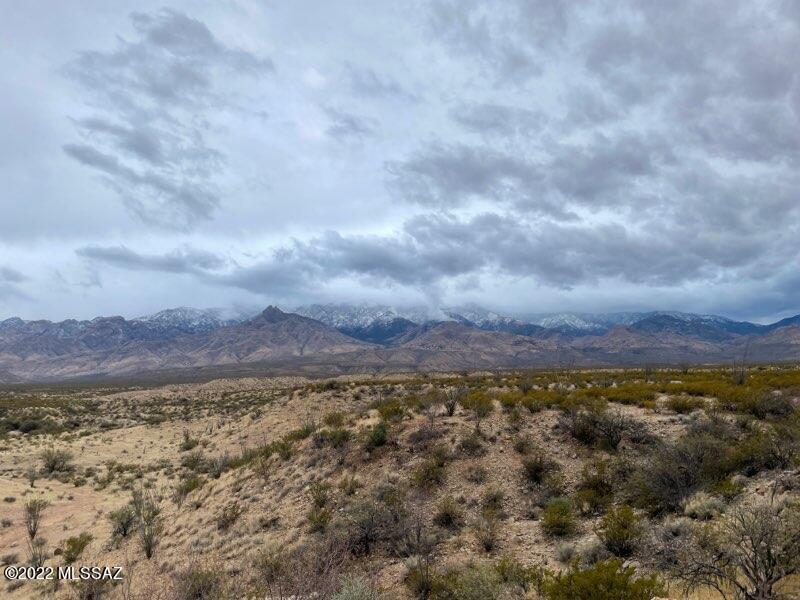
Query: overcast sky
x=525 y=155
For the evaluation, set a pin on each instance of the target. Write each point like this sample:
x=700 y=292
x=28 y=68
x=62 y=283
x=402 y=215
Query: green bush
x=186 y=487
x=492 y=503
x=199 y=583
x=228 y=516
x=449 y=514
x=390 y=410
x=595 y=488
x=334 y=419
x=431 y=471
x=485 y=528
x=123 y=521
x=356 y=588
x=619 y=530
x=558 y=518
x=56 y=461
x=335 y=438
x=684 y=404
x=377 y=436
x=74 y=547
x=766 y=405
x=471 y=444
x=606 y=580
x=473 y=582
x=318 y=519
x=674 y=471
x=537 y=465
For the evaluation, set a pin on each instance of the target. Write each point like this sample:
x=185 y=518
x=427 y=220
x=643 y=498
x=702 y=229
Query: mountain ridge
x=187 y=338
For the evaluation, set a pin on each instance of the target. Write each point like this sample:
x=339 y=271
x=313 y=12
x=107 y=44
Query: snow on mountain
x=190 y=320
x=351 y=316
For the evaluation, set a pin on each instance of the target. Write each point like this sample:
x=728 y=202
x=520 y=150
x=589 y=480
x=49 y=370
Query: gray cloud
x=185 y=260
x=518 y=151
x=346 y=126
x=498 y=120
x=151 y=99
x=367 y=83
x=10 y=275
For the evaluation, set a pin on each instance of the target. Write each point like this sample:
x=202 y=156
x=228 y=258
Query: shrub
x=283 y=448
x=356 y=588
x=473 y=582
x=619 y=530
x=480 y=404
x=431 y=471
x=194 y=460
x=537 y=466
x=122 y=521
x=334 y=419
x=606 y=580
x=56 y=461
x=702 y=506
x=558 y=518
x=767 y=405
x=449 y=514
x=148 y=518
x=219 y=465
x=377 y=436
x=228 y=516
x=673 y=471
x=751 y=549
x=471 y=444
x=365 y=524
x=74 y=547
x=32 y=515
x=476 y=474
x=492 y=503
x=318 y=519
x=185 y=487
x=485 y=528
x=320 y=494
x=595 y=488
x=452 y=398
x=198 y=583
x=335 y=438
x=605 y=429
x=390 y=410
x=523 y=444
x=188 y=443
x=684 y=404
x=515 y=574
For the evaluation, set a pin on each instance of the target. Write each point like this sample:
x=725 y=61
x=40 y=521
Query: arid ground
x=478 y=485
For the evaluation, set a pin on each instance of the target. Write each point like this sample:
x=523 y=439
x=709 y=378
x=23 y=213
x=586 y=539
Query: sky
x=524 y=155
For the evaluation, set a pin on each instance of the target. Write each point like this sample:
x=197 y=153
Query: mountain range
x=341 y=338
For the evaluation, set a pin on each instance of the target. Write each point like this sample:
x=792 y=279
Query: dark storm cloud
x=152 y=100
x=185 y=260
x=603 y=171
x=528 y=147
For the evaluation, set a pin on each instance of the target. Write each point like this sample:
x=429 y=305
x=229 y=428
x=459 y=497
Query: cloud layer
x=525 y=154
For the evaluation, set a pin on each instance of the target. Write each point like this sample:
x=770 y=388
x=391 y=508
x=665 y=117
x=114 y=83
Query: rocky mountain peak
x=273 y=314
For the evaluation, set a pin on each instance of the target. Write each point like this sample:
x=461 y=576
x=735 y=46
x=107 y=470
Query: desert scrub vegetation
x=606 y=580
x=468 y=503
x=558 y=518
x=742 y=555
x=619 y=530
x=56 y=461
